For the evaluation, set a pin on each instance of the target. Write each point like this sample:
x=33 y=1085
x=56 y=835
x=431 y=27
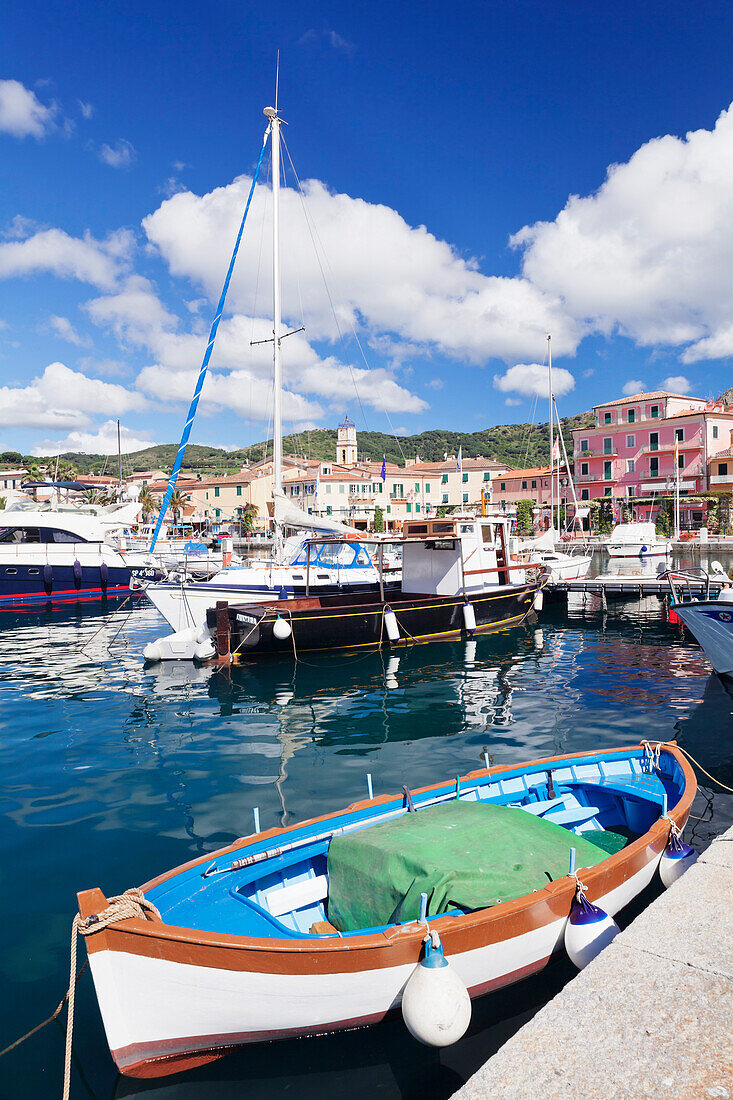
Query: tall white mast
x=277 y=445
x=552 y=440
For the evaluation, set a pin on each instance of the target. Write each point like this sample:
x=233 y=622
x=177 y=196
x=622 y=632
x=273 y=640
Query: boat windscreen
x=463 y=855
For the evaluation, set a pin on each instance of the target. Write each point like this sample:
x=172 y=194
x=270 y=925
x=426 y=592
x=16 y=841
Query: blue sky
x=457 y=168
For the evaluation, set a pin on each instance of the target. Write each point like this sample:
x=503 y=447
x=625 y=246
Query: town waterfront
x=114 y=772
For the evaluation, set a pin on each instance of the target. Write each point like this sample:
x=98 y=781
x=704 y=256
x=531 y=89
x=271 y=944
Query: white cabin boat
x=637 y=540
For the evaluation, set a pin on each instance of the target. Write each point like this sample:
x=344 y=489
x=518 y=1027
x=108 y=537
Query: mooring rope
x=131 y=904
x=654 y=748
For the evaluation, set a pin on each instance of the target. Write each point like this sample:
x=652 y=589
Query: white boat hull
x=187 y=1008
x=184 y=606
x=639 y=550
x=711 y=623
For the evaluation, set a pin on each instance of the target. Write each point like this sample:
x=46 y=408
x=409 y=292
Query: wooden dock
x=627 y=587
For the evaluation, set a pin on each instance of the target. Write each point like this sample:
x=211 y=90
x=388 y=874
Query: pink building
x=512 y=485
x=637 y=444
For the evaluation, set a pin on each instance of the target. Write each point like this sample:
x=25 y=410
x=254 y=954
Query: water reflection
x=114 y=772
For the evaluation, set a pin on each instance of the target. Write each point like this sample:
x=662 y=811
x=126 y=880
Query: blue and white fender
x=676 y=858
x=588 y=929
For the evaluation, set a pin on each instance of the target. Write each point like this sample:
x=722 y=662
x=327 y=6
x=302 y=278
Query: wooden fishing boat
x=276 y=935
x=456 y=579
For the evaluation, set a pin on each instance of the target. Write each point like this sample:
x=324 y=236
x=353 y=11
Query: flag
x=676 y=451
x=556 y=450
x=459 y=461
x=383 y=474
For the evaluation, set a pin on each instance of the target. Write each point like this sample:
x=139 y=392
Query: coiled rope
x=131 y=904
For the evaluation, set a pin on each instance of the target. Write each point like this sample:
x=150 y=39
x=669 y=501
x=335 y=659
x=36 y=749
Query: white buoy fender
x=204 y=649
x=538 y=601
x=469 y=617
x=676 y=858
x=391 y=625
x=436 y=1006
x=588 y=930
x=281 y=629
x=153 y=652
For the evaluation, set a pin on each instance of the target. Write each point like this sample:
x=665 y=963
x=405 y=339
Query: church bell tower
x=346 y=443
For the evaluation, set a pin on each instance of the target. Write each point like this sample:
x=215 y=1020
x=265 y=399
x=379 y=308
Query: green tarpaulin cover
x=463 y=855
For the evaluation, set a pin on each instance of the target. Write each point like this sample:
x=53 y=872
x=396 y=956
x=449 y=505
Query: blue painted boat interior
x=284 y=895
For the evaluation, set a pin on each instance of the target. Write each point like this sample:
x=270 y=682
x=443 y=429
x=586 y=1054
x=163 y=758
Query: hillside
x=516 y=444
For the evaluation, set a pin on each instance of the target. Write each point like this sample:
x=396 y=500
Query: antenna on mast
x=277 y=78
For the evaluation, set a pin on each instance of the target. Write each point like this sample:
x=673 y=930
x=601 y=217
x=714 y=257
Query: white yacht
x=637 y=540
x=57 y=556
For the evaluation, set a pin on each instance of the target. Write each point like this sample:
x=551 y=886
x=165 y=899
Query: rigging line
x=325 y=283
x=530 y=428
x=207 y=356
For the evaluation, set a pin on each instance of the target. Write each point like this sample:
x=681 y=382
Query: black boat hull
x=347 y=623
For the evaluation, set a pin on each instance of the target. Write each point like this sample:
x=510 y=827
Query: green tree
x=14 y=458
x=525 y=517
x=664 y=522
x=3 y=502
x=378 y=519
x=248 y=516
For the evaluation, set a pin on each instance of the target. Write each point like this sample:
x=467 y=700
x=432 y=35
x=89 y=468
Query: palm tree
x=148 y=503
x=176 y=504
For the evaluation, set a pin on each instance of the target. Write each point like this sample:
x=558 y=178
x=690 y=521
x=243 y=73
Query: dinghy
x=322 y=925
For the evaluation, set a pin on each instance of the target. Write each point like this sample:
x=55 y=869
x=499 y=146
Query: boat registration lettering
x=246 y=619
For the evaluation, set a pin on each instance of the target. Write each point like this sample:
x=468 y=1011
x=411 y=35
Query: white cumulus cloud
x=532 y=379
x=649 y=253
x=677 y=383
x=54 y=251
x=62 y=399
x=101 y=442
x=21 y=112
x=386 y=277
x=633 y=386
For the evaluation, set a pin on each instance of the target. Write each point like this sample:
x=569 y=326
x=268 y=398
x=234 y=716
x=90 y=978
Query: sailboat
x=561 y=566
x=332 y=568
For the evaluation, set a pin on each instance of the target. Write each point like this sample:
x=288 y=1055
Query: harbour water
x=113 y=772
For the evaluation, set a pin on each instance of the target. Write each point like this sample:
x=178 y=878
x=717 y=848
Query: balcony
x=721 y=479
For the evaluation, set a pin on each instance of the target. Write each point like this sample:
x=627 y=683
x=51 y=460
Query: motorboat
x=709 y=616
x=456 y=579
x=58 y=556
x=335 y=922
x=637 y=540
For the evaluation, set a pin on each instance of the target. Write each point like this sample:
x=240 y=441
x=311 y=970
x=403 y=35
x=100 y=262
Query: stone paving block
x=631 y=1026
x=720 y=851
x=651 y=1017
x=692 y=922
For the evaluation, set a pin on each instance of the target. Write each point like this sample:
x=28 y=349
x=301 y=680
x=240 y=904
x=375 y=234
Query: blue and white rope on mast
x=207 y=356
